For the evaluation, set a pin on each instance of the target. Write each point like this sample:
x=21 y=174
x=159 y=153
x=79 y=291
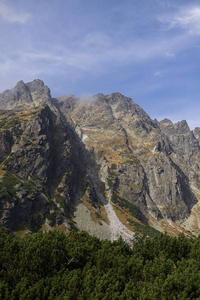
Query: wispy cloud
x=187 y=18
x=157 y=73
x=41 y=56
x=96 y=40
x=9 y=14
x=94 y=52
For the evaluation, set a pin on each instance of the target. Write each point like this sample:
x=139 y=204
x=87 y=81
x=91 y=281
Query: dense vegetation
x=53 y=266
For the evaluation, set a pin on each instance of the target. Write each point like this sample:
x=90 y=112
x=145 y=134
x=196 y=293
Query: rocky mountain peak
x=25 y=95
x=20 y=85
x=183 y=127
x=179 y=127
x=166 y=122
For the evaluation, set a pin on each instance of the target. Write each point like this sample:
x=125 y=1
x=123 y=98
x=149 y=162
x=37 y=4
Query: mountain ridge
x=100 y=164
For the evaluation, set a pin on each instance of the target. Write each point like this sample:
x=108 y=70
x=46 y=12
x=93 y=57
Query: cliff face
x=100 y=164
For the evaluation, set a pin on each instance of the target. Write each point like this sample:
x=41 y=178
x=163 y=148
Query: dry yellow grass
x=172 y=230
x=197 y=195
x=123 y=215
x=103 y=213
x=116 y=157
x=135 y=186
x=2 y=172
x=21 y=232
x=62 y=228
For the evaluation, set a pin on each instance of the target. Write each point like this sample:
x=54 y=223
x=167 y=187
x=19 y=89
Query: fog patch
x=88 y=99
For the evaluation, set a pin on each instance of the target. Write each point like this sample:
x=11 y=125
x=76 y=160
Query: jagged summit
x=166 y=122
x=25 y=95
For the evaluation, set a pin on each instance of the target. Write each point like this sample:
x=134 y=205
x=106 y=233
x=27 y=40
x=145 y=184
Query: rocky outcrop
x=180 y=136
x=6 y=142
x=35 y=155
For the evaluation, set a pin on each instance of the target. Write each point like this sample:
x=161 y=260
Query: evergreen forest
x=54 y=266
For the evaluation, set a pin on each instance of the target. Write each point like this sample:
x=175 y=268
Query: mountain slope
x=100 y=164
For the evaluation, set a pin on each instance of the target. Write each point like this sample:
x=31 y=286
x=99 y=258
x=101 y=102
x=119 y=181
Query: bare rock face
x=138 y=154
x=180 y=136
x=6 y=142
x=98 y=160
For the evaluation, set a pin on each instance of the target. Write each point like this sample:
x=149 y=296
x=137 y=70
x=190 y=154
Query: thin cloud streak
x=86 y=57
x=90 y=55
x=8 y=14
x=187 y=18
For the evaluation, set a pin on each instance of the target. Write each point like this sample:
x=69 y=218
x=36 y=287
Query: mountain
x=99 y=164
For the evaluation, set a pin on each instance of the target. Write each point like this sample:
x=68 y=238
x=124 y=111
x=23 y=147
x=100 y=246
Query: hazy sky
x=148 y=50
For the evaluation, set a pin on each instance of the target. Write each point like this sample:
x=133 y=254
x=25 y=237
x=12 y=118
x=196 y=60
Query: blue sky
x=148 y=50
